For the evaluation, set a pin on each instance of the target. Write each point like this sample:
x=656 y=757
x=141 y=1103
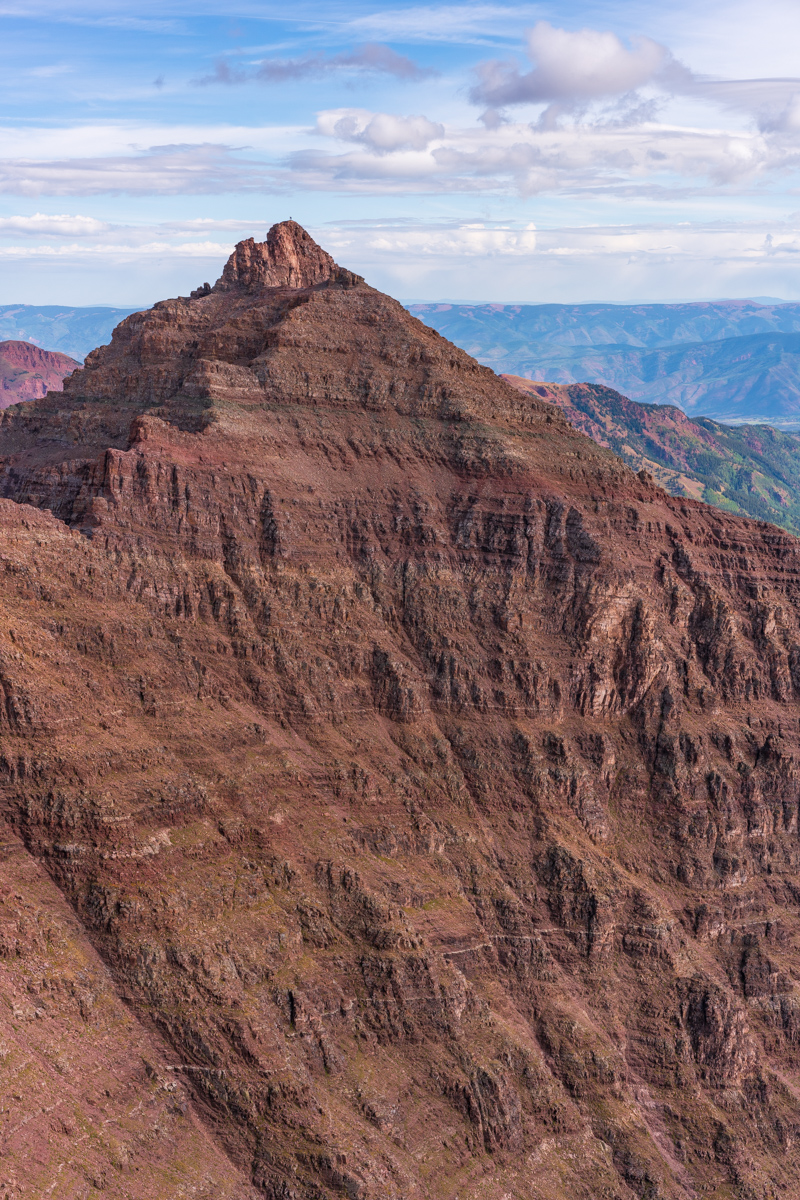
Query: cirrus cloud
x=371 y=58
x=160 y=170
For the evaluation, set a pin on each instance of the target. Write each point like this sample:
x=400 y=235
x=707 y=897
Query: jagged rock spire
x=289 y=258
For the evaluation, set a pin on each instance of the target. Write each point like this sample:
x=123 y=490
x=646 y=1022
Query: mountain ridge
x=26 y=371
x=753 y=470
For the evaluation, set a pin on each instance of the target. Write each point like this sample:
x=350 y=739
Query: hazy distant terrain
x=73 y=331
x=734 y=360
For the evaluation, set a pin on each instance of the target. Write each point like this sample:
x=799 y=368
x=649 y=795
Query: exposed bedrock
x=424 y=783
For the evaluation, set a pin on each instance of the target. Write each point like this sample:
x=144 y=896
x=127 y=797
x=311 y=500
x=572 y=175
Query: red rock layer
x=26 y=372
x=426 y=781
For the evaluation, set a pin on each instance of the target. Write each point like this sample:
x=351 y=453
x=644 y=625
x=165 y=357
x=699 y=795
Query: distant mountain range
x=752 y=470
x=73 y=331
x=733 y=360
x=27 y=372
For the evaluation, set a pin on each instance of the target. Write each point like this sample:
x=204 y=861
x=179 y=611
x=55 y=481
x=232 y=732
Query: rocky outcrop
x=289 y=258
x=27 y=372
x=425 y=780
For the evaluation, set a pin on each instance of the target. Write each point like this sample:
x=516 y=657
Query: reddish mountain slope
x=425 y=780
x=27 y=372
x=752 y=470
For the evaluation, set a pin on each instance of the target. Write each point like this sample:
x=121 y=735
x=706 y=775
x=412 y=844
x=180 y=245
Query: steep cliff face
x=423 y=782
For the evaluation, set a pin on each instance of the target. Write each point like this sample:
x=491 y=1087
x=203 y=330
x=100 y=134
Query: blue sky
x=535 y=152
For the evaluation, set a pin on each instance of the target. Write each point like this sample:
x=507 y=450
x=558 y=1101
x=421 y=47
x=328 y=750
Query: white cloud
x=579 y=71
x=466 y=23
x=572 y=66
x=743 y=242
x=379 y=132
x=120 y=251
x=624 y=263
x=402 y=154
x=59 y=225
x=530 y=160
x=471 y=259
x=621 y=151
x=107 y=138
x=161 y=170
x=474 y=240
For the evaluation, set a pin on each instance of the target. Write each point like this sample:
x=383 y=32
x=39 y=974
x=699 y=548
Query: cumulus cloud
x=395 y=154
x=361 y=151
x=574 y=71
x=380 y=132
x=371 y=58
x=602 y=158
x=574 y=66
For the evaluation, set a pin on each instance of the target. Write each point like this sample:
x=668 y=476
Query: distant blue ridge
x=73 y=331
x=733 y=360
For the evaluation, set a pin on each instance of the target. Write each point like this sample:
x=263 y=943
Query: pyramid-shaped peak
x=289 y=258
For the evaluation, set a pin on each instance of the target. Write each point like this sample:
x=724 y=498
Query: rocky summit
x=399 y=795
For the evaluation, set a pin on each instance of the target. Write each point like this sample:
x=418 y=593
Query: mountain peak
x=286 y=324
x=289 y=258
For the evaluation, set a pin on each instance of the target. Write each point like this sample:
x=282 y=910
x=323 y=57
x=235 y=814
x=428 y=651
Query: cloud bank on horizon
x=538 y=152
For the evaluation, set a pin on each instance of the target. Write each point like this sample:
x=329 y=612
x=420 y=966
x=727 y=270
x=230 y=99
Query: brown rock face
x=289 y=258
x=26 y=372
x=410 y=784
